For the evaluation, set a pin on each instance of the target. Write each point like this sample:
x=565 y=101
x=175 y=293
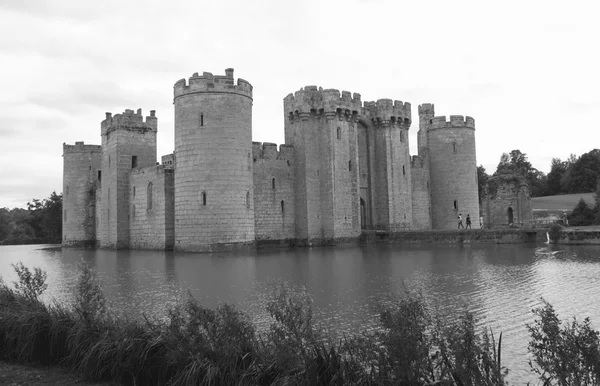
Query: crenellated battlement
x=427 y=109
x=268 y=150
x=313 y=100
x=168 y=160
x=455 y=121
x=209 y=83
x=130 y=120
x=386 y=110
x=80 y=147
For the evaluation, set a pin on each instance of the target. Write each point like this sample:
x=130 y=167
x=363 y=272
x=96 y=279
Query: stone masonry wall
x=421 y=199
x=151 y=225
x=80 y=166
x=213 y=163
x=124 y=137
x=365 y=161
x=510 y=194
x=453 y=170
x=274 y=207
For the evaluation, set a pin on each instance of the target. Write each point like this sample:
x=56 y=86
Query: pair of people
x=460 y=222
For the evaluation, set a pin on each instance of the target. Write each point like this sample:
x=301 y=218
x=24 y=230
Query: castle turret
x=322 y=127
x=81 y=163
x=453 y=169
x=128 y=141
x=390 y=122
x=213 y=168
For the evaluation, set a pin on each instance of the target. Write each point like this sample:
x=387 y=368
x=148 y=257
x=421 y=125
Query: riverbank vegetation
x=40 y=223
x=196 y=345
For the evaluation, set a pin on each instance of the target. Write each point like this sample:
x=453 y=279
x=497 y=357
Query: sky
x=526 y=70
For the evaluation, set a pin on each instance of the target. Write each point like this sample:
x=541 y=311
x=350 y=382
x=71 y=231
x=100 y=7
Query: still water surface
x=499 y=283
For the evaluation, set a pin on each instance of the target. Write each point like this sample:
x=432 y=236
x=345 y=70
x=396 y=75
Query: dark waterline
x=499 y=283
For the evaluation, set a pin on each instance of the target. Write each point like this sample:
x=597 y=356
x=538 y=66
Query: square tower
x=127 y=142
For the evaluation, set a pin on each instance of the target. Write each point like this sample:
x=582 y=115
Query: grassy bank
x=196 y=345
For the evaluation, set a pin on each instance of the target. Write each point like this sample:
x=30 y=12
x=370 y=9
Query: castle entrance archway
x=509 y=213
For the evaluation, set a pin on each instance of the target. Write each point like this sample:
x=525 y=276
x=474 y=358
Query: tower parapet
x=386 y=110
x=454 y=121
x=312 y=99
x=427 y=109
x=209 y=83
x=81 y=147
x=129 y=120
x=268 y=150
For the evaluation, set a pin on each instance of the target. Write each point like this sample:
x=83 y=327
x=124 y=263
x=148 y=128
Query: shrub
x=582 y=214
x=90 y=303
x=30 y=285
x=563 y=354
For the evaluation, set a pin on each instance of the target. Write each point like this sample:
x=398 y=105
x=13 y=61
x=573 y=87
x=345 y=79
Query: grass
x=564 y=202
x=200 y=346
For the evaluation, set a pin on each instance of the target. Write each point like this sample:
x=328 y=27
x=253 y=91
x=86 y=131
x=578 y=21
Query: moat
x=499 y=283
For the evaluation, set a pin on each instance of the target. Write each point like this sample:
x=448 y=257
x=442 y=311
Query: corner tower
x=453 y=168
x=81 y=164
x=213 y=163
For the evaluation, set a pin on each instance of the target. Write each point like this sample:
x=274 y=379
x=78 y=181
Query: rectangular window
x=134 y=161
x=99 y=175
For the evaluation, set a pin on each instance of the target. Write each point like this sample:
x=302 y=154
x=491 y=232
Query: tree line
x=40 y=223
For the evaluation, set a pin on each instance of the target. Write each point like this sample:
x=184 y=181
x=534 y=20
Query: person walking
x=460 y=224
x=468 y=222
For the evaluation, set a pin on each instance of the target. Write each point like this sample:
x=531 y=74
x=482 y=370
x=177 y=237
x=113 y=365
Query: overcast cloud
x=527 y=71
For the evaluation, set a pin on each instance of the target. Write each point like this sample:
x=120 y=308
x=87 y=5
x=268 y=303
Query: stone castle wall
x=421 y=198
x=124 y=137
x=152 y=208
x=273 y=202
x=345 y=165
x=213 y=156
x=453 y=170
x=80 y=166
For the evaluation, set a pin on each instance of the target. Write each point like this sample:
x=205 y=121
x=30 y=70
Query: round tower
x=80 y=166
x=214 y=200
x=453 y=171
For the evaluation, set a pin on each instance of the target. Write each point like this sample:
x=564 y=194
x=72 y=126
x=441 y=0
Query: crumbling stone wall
x=273 y=202
x=151 y=225
x=506 y=194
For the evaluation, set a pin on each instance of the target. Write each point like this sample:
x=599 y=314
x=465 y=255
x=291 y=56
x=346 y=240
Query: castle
x=345 y=167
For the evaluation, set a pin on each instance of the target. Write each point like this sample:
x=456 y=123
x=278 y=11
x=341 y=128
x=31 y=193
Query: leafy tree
x=582 y=214
x=558 y=169
x=584 y=173
x=482 y=179
x=41 y=222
